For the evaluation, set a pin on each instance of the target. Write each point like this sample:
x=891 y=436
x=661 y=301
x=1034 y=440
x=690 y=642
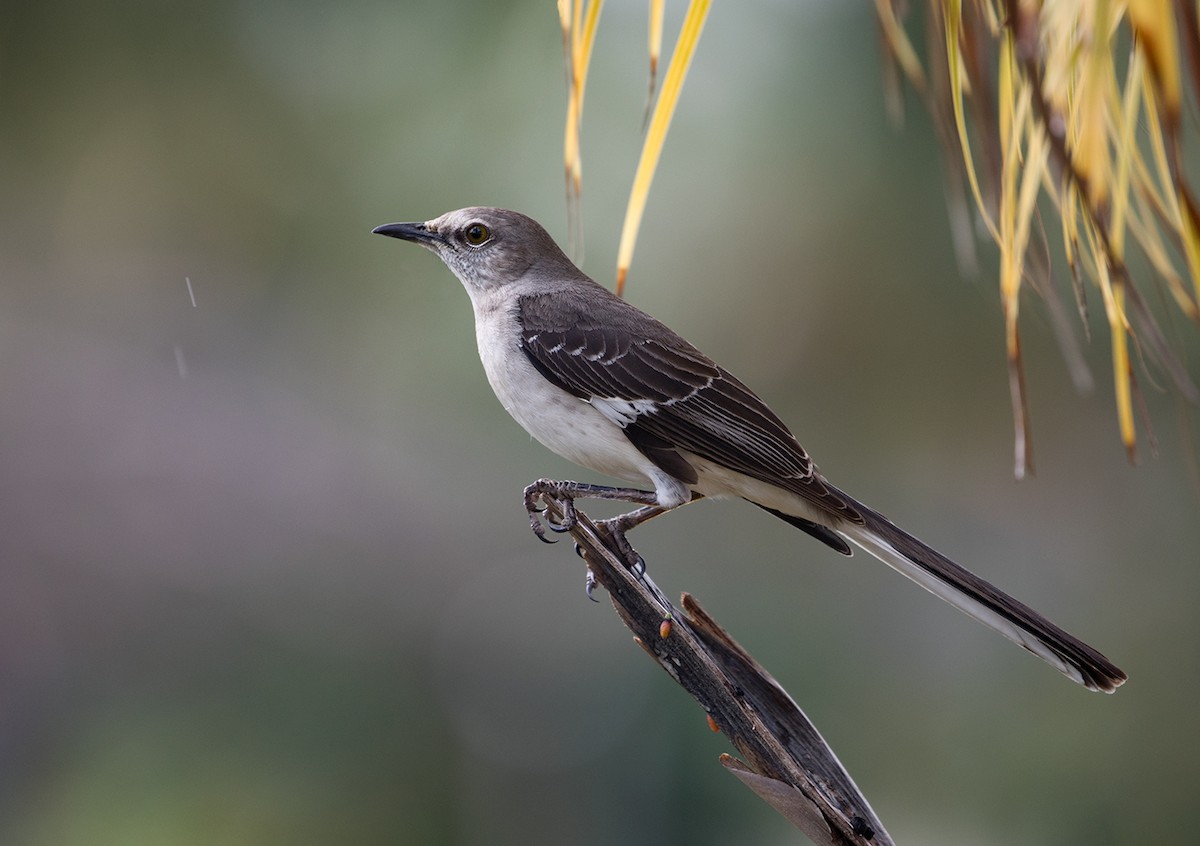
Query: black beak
x=416 y=232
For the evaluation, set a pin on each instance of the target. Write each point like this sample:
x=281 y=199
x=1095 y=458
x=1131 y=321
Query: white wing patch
x=623 y=411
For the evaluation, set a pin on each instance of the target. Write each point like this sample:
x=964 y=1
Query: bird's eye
x=476 y=234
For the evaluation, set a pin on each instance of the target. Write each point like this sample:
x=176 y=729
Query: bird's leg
x=624 y=522
x=614 y=528
x=619 y=525
x=565 y=493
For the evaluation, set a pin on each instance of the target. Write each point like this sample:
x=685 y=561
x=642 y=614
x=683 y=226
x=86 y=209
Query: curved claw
x=535 y=525
x=639 y=567
x=589 y=585
x=559 y=528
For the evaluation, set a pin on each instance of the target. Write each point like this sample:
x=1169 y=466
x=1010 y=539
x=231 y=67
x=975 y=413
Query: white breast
x=561 y=422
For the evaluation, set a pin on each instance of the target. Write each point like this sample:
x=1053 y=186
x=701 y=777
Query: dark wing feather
x=602 y=347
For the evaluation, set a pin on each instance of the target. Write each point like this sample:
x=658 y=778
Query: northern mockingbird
x=607 y=386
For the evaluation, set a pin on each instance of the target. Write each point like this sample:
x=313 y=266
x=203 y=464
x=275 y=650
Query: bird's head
x=486 y=248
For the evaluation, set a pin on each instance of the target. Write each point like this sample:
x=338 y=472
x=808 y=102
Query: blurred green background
x=264 y=572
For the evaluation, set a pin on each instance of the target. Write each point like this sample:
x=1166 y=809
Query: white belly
x=559 y=421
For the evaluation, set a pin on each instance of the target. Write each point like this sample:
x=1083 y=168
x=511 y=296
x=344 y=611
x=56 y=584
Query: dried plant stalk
x=1086 y=121
x=784 y=758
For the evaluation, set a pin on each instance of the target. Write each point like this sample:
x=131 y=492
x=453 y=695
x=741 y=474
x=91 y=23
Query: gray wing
x=665 y=394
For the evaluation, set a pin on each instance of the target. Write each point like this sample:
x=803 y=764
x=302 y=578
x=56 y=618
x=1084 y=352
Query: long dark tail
x=981 y=600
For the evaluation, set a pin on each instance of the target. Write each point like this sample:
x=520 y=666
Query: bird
x=612 y=389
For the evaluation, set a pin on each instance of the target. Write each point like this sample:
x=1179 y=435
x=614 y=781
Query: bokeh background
x=264 y=572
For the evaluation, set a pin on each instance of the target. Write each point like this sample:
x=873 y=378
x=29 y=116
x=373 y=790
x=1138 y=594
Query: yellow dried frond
x=583 y=46
x=579 y=34
x=566 y=19
x=898 y=43
x=1154 y=24
x=657 y=7
x=579 y=20
x=1088 y=141
x=1114 y=308
x=1125 y=153
x=1190 y=226
x=654 y=40
x=1149 y=238
x=1088 y=98
x=681 y=59
x=952 y=10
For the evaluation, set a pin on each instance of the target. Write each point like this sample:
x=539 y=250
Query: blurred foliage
x=1081 y=100
x=579 y=33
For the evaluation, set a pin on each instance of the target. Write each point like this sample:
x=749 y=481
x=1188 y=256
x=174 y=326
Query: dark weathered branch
x=785 y=760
